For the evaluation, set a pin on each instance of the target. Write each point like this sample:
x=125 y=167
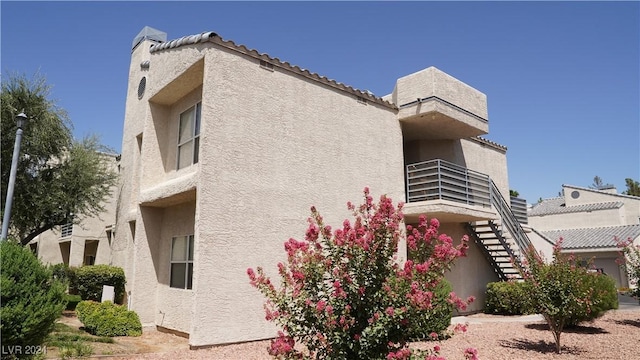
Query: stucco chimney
x=149 y=33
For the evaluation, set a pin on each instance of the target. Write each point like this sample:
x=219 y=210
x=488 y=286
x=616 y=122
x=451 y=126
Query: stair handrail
x=509 y=220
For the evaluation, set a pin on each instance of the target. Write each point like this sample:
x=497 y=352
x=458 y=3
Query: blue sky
x=562 y=79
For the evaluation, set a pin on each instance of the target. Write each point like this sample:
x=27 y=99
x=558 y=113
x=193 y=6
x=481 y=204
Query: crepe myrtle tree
x=343 y=293
x=630 y=257
x=565 y=292
x=59 y=179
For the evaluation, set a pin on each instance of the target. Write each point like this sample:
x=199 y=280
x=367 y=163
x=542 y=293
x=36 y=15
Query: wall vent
x=142 y=86
x=266 y=65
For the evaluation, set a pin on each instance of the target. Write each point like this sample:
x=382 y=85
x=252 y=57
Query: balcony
x=448 y=192
x=435 y=105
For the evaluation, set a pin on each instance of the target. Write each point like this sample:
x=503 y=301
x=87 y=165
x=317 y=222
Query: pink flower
x=252 y=274
x=282 y=345
x=389 y=311
x=329 y=309
x=471 y=354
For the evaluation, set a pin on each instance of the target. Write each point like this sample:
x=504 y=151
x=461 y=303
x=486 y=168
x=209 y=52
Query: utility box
x=108 y=293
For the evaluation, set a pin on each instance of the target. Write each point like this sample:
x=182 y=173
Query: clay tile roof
x=215 y=38
x=494 y=144
x=593 y=238
x=557 y=206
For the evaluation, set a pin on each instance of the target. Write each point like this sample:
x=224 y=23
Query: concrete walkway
x=626 y=303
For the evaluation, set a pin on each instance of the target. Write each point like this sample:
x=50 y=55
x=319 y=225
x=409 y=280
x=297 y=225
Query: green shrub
x=438 y=319
x=90 y=279
x=604 y=296
x=72 y=301
x=508 y=298
x=564 y=292
x=31 y=299
x=342 y=294
x=108 y=319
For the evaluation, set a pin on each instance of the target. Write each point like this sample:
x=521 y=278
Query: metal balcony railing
x=519 y=208
x=442 y=180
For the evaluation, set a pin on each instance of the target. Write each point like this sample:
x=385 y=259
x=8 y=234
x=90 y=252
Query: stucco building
x=225 y=149
x=87 y=242
x=590 y=222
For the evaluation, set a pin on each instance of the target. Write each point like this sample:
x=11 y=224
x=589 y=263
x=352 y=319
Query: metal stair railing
x=488 y=256
x=509 y=221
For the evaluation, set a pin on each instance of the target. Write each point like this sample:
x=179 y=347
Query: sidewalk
x=626 y=303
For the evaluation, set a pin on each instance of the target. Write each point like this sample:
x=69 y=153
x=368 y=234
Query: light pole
x=20 y=120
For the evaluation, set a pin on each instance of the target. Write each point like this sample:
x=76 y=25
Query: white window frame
x=188 y=280
x=193 y=139
x=66 y=230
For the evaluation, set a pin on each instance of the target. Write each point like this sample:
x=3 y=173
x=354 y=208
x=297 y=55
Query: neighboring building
x=225 y=149
x=590 y=222
x=86 y=243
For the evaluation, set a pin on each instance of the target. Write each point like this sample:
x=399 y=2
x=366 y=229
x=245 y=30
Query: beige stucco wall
x=471 y=274
x=630 y=213
x=433 y=82
x=272 y=145
x=128 y=217
x=542 y=246
x=578 y=220
x=174 y=306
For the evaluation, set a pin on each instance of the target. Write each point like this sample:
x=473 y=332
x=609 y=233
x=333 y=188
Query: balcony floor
x=447 y=211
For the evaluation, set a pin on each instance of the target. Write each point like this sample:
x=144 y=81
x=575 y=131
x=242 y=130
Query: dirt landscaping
x=149 y=342
x=614 y=336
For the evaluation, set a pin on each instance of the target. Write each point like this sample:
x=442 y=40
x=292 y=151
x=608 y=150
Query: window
x=182 y=262
x=34 y=248
x=66 y=230
x=189 y=136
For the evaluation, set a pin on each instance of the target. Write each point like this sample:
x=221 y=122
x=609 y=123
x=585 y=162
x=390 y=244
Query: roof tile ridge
x=212 y=36
x=490 y=142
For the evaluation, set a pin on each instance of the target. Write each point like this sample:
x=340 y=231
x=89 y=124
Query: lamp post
x=20 y=120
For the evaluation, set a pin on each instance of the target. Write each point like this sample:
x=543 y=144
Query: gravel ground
x=614 y=336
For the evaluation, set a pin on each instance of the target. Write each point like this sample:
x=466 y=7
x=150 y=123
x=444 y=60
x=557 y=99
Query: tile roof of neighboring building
x=593 y=238
x=557 y=206
x=215 y=38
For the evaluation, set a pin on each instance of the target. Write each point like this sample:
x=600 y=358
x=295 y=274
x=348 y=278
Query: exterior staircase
x=501 y=241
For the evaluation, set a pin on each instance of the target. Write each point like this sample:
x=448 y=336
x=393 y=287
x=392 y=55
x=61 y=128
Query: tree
x=59 y=179
x=31 y=301
x=598 y=184
x=630 y=256
x=344 y=295
x=514 y=193
x=633 y=187
x=564 y=292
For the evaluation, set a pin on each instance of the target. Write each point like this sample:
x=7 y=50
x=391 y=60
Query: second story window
x=66 y=230
x=189 y=136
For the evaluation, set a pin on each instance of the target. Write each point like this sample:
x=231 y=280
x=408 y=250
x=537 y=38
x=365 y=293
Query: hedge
x=508 y=298
x=89 y=280
x=108 y=319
